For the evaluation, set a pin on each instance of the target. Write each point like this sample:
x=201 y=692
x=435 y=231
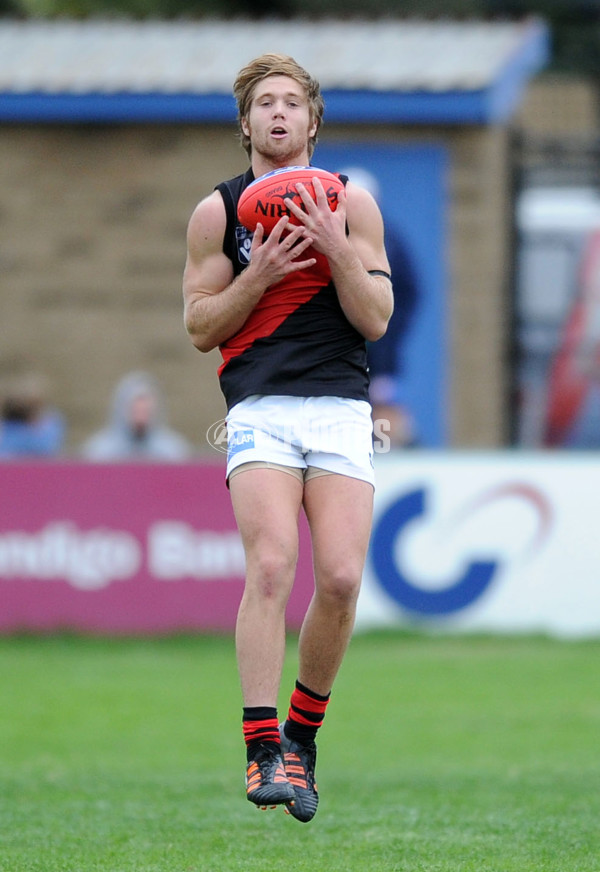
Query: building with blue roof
x=111 y=131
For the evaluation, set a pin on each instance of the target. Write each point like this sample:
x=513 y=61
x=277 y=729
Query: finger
x=300 y=247
x=296 y=265
x=306 y=198
x=297 y=232
x=320 y=195
x=277 y=231
x=297 y=211
x=341 y=201
x=258 y=237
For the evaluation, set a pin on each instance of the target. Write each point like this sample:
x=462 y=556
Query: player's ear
x=245 y=127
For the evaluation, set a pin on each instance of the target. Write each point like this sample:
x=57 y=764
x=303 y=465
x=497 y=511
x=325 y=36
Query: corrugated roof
x=111 y=57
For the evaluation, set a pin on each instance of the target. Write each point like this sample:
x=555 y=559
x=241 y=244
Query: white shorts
x=332 y=434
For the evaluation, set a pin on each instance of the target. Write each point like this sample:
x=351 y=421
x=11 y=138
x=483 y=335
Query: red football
x=266 y=198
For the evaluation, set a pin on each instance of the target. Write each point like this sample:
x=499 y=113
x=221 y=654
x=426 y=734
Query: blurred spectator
x=137 y=428
x=29 y=427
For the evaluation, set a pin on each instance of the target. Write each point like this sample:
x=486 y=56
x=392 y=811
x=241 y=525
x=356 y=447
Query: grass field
x=445 y=754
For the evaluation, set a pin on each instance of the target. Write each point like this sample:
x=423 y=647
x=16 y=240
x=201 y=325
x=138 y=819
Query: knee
x=270 y=574
x=340 y=585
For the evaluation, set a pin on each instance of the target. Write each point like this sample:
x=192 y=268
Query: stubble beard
x=290 y=155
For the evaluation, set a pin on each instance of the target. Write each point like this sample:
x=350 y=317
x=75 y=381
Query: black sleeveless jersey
x=297 y=341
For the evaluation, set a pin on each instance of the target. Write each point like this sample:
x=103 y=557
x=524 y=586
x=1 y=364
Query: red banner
x=125 y=549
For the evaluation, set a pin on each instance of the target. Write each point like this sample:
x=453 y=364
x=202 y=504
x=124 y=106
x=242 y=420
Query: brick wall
x=93 y=226
x=481 y=263
x=560 y=106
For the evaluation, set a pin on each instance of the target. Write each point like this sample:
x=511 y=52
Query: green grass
x=438 y=755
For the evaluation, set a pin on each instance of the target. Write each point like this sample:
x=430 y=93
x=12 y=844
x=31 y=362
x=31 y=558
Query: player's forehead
x=279 y=86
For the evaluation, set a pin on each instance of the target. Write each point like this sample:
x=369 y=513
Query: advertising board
x=122 y=548
x=476 y=542
x=502 y=542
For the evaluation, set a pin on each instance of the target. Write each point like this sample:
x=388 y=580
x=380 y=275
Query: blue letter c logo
x=455 y=596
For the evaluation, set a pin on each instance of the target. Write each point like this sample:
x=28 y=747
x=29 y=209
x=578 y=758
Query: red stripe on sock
x=266 y=730
x=302 y=702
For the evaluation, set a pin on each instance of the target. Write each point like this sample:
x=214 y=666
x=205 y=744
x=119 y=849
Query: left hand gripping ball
x=266 y=199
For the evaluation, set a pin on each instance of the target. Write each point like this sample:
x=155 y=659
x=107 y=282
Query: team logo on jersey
x=243 y=238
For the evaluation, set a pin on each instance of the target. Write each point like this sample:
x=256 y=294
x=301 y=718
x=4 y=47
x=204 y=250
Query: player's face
x=278 y=122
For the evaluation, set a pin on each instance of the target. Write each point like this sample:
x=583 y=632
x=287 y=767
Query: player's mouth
x=278 y=132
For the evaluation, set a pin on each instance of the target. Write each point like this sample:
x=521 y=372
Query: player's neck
x=262 y=165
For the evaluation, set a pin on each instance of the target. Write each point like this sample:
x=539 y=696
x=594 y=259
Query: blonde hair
x=276 y=65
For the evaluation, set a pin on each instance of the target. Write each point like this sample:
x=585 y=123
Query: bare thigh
x=339 y=511
x=266 y=503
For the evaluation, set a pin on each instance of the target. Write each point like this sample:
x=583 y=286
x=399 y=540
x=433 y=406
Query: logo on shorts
x=241 y=440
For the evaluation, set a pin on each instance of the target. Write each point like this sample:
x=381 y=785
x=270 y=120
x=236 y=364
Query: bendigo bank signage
x=123 y=549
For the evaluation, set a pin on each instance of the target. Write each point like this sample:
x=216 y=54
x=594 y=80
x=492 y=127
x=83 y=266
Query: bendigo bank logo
x=93 y=559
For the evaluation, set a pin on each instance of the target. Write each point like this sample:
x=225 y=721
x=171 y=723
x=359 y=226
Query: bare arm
x=216 y=305
x=367 y=300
